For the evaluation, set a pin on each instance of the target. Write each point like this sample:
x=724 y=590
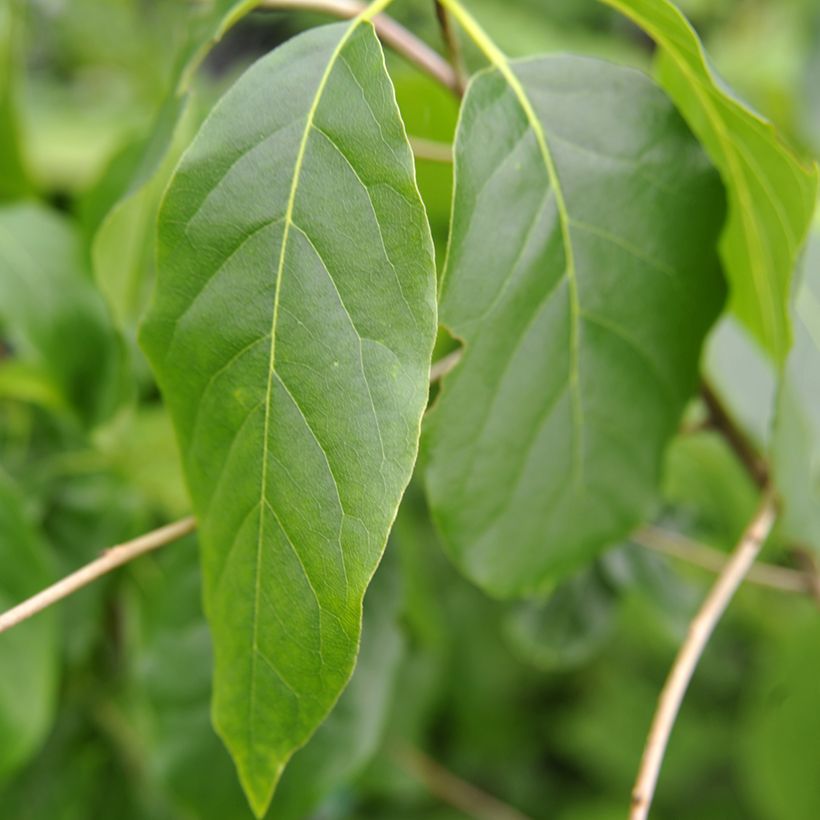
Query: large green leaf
x=29 y=652
x=771 y=194
x=171 y=656
x=52 y=316
x=796 y=432
x=582 y=277
x=291 y=335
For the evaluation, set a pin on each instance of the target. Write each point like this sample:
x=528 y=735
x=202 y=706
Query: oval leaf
x=291 y=334
x=771 y=194
x=582 y=276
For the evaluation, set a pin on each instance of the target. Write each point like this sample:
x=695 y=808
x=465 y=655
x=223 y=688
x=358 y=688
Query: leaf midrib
x=365 y=16
x=499 y=61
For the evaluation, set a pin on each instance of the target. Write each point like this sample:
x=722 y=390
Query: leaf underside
x=771 y=194
x=582 y=277
x=291 y=334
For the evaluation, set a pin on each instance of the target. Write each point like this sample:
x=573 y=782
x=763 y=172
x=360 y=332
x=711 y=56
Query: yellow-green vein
x=499 y=60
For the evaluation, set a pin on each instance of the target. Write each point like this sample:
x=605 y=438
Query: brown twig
x=451 y=43
x=444 y=365
x=675 y=545
x=720 y=420
x=452 y=789
x=395 y=35
x=700 y=630
x=109 y=560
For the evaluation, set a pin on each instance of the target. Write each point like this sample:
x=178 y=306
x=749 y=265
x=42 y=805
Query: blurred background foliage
x=544 y=704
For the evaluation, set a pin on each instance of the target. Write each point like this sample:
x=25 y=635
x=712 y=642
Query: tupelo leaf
x=291 y=334
x=771 y=194
x=582 y=277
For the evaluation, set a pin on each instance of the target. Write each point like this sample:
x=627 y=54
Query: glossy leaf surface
x=291 y=334
x=582 y=277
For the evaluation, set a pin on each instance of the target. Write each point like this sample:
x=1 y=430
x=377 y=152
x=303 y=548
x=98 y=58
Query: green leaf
x=14 y=181
x=29 y=652
x=127 y=201
x=796 y=433
x=350 y=735
x=53 y=317
x=771 y=193
x=781 y=722
x=566 y=629
x=582 y=277
x=291 y=334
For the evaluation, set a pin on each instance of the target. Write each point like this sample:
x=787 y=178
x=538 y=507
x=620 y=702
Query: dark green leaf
x=582 y=277
x=291 y=334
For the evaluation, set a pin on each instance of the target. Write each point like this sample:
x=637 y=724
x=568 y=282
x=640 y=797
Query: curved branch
x=700 y=630
x=395 y=35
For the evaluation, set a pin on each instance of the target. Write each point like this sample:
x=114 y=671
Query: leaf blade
x=505 y=482
x=305 y=243
x=771 y=193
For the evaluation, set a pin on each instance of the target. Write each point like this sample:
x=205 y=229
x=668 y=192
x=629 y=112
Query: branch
x=453 y=48
x=431 y=150
x=109 y=560
x=453 y=790
x=693 y=552
x=395 y=35
x=721 y=421
x=444 y=365
x=700 y=630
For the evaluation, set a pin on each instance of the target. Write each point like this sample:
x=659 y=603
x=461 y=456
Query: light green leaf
x=771 y=193
x=123 y=249
x=582 y=277
x=29 y=652
x=291 y=334
x=796 y=433
x=53 y=317
x=14 y=181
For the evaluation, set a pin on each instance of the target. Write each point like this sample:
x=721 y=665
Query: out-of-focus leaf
x=796 y=437
x=291 y=335
x=771 y=194
x=743 y=377
x=124 y=247
x=14 y=181
x=582 y=277
x=565 y=630
x=710 y=492
x=53 y=317
x=28 y=652
x=782 y=724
